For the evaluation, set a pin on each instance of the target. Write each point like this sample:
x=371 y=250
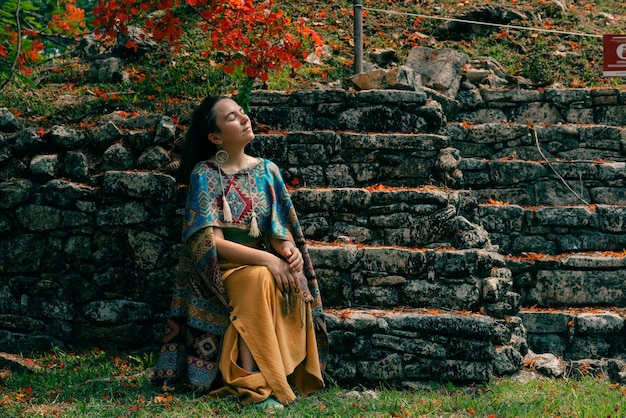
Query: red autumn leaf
x=131 y=45
x=502 y=35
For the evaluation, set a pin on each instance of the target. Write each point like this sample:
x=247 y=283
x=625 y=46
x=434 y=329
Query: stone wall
x=89 y=234
x=90 y=221
x=91 y=217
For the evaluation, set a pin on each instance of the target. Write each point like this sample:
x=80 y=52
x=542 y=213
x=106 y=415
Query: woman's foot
x=269 y=403
x=170 y=385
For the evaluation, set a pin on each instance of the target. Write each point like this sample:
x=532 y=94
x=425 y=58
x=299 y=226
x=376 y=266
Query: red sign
x=614 y=49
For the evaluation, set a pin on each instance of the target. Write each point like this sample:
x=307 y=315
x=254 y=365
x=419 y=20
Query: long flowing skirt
x=282 y=345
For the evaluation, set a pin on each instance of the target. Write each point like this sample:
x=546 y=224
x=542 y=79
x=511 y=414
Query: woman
x=246 y=317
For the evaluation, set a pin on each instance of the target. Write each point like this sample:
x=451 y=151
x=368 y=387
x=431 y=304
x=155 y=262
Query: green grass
x=97 y=383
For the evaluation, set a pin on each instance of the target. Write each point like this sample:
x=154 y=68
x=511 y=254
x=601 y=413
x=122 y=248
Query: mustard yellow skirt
x=282 y=345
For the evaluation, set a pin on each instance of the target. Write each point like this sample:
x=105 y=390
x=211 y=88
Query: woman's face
x=234 y=125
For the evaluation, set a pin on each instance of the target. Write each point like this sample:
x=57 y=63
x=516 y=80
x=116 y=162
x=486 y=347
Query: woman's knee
x=263 y=275
x=253 y=277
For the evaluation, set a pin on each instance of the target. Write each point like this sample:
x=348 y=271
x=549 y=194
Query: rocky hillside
x=562 y=46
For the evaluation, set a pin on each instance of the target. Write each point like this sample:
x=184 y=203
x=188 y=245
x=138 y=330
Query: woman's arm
x=288 y=249
x=233 y=252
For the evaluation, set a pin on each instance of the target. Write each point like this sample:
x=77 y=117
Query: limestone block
x=22 y=253
x=501 y=218
x=154 y=158
x=439 y=68
x=165 y=130
x=122 y=214
x=155 y=186
x=117 y=311
x=548 y=364
x=599 y=323
x=144 y=249
x=377 y=296
x=342 y=257
x=45 y=165
x=392 y=260
x=578 y=288
x=117 y=157
x=537 y=113
x=139 y=140
x=64 y=193
x=15 y=192
x=76 y=165
x=423 y=293
x=40 y=218
x=8 y=121
x=67 y=138
x=383 y=56
x=544 y=322
x=107 y=70
x=584 y=347
x=107 y=135
x=508 y=360
x=26 y=141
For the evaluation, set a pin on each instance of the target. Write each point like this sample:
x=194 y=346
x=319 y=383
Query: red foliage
x=26 y=47
x=253 y=37
x=70 y=23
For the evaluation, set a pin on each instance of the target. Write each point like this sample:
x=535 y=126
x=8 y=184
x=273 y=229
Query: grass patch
x=99 y=383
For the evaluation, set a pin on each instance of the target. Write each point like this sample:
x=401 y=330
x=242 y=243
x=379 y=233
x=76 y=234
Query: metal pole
x=358 y=36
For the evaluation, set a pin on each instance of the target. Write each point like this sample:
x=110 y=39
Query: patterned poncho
x=199 y=311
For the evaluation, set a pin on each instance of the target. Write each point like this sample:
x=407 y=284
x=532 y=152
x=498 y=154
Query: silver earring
x=221 y=156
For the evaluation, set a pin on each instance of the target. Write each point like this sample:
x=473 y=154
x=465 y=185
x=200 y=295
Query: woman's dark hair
x=196 y=146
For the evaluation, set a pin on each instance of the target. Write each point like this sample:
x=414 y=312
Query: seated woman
x=246 y=317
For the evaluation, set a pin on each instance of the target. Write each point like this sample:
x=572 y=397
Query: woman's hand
x=285 y=278
x=293 y=256
x=287 y=281
x=285 y=271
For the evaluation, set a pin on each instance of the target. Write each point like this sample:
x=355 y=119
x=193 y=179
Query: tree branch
x=19 y=45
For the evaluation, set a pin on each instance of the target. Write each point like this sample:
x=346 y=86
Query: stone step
x=438 y=218
x=409 y=217
x=473 y=280
x=581 y=279
x=576 y=334
x=340 y=110
x=408 y=347
x=554 y=229
x=551 y=106
x=536 y=142
x=389 y=277
x=326 y=158
x=349 y=159
x=405 y=348
x=538 y=183
x=401 y=316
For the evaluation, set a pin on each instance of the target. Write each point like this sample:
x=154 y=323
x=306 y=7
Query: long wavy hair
x=196 y=146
